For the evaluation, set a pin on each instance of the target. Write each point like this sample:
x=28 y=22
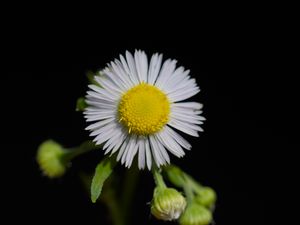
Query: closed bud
x=195 y=214
x=49 y=158
x=167 y=204
x=206 y=197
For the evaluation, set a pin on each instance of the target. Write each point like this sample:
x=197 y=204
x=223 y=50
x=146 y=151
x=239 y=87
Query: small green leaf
x=80 y=104
x=103 y=171
x=91 y=77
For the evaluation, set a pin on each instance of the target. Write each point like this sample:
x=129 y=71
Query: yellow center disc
x=144 y=109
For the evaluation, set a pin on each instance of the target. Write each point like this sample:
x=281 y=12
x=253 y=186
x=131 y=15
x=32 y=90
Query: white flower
x=137 y=105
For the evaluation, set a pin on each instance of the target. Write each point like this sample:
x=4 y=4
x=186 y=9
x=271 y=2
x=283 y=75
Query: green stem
x=196 y=186
x=188 y=189
x=159 y=181
x=108 y=197
x=85 y=147
x=114 y=208
x=131 y=179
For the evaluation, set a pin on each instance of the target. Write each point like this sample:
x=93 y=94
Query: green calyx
x=167 y=204
x=196 y=214
x=206 y=196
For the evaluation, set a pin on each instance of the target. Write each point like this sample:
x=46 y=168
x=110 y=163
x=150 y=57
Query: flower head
x=136 y=106
x=206 y=196
x=167 y=204
x=49 y=158
x=195 y=214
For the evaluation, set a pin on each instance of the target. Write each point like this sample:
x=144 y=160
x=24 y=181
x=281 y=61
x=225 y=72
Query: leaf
x=102 y=172
x=91 y=77
x=80 y=104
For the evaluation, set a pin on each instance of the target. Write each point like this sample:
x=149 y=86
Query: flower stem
x=108 y=197
x=159 y=181
x=188 y=190
x=131 y=179
x=195 y=185
x=114 y=208
x=85 y=147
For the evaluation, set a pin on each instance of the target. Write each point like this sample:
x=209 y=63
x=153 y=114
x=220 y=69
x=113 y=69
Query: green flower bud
x=167 y=204
x=49 y=158
x=195 y=214
x=206 y=197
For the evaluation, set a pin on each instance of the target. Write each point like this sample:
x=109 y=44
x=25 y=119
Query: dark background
x=241 y=64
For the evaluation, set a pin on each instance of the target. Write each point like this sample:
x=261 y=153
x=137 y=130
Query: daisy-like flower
x=137 y=106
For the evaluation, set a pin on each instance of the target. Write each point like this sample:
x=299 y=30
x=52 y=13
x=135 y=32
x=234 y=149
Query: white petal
x=111 y=143
x=189 y=117
x=100 y=112
x=169 y=84
x=186 y=119
x=189 y=105
x=184 y=85
x=114 y=71
x=95 y=106
x=142 y=154
x=96 y=95
x=104 y=93
x=180 y=140
x=125 y=67
x=101 y=138
x=162 y=149
x=154 y=68
x=106 y=83
x=129 y=149
x=179 y=96
x=99 y=124
x=141 y=65
x=131 y=153
x=122 y=149
x=159 y=160
x=119 y=143
x=90 y=118
x=185 y=111
x=178 y=77
x=132 y=68
x=148 y=154
x=188 y=125
x=170 y=143
x=119 y=68
x=114 y=76
x=183 y=128
x=93 y=101
x=104 y=129
x=166 y=72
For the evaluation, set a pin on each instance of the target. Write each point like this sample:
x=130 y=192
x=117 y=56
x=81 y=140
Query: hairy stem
x=159 y=181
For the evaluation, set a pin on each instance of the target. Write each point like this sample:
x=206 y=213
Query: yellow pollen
x=144 y=109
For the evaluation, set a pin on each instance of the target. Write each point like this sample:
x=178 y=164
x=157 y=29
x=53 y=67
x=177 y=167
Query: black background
x=240 y=63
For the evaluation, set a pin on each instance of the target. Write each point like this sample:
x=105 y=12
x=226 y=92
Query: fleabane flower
x=137 y=107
